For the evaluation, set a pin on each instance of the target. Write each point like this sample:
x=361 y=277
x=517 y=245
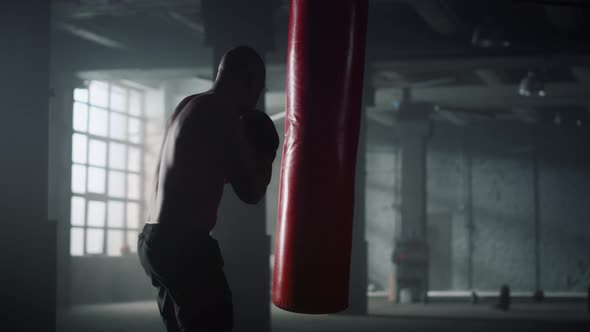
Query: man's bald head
x=241 y=61
x=242 y=71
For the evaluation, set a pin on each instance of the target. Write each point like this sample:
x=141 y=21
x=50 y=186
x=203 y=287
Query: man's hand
x=257 y=143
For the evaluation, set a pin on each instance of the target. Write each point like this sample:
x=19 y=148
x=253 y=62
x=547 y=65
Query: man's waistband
x=177 y=229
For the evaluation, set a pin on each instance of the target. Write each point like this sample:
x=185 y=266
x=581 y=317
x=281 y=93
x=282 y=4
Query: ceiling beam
x=470 y=96
x=86 y=9
x=439 y=15
x=383 y=118
x=466 y=64
x=478 y=97
x=187 y=22
x=489 y=76
x=451 y=116
x=91 y=36
x=525 y=114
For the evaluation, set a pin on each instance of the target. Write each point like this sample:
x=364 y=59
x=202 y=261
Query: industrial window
x=106 y=210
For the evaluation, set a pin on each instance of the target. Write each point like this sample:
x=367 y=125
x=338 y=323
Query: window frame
x=105 y=197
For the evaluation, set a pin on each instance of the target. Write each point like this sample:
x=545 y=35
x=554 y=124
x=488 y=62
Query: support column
x=27 y=239
x=358 y=304
x=468 y=209
x=470 y=220
x=410 y=248
x=241 y=228
x=537 y=208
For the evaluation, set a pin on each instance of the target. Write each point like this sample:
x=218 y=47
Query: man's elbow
x=252 y=196
x=252 y=200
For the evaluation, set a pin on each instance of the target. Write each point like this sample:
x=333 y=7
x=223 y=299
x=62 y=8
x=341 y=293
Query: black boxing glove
x=260 y=131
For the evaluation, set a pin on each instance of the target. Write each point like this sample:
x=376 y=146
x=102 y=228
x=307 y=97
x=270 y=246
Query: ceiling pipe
x=450 y=116
x=187 y=22
x=525 y=114
x=489 y=76
x=439 y=15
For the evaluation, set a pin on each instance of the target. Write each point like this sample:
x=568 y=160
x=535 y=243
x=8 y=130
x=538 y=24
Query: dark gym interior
x=472 y=189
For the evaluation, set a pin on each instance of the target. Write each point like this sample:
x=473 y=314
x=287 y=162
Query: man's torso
x=192 y=166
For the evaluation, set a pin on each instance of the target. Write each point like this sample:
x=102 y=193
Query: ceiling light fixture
x=532 y=85
x=490 y=34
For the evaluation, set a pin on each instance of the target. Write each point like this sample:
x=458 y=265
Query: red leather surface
x=324 y=89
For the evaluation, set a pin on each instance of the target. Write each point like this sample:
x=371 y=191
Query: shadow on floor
x=143 y=316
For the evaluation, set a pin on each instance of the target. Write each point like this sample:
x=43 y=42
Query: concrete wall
x=444 y=196
x=481 y=206
x=28 y=238
x=564 y=197
x=108 y=279
x=382 y=202
x=503 y=211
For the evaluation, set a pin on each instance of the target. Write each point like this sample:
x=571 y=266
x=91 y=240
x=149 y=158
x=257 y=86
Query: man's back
x=193 y=163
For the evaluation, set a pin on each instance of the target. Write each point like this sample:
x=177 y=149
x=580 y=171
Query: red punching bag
x=325 y=67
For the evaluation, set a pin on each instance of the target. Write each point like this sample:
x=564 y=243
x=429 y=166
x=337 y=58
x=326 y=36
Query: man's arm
x=250 y=174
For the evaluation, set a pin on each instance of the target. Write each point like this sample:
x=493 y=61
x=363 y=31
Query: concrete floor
x=385 y=317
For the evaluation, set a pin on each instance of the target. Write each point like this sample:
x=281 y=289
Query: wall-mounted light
x=532 y=85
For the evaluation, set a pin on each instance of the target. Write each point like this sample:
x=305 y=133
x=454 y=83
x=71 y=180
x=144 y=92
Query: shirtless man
x=204 y=148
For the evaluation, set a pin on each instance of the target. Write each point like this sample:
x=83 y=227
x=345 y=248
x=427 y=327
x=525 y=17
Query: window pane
x=99 y=94
x=98 y=121
x=76 y=241
x=133 y=186
x=132 y=215
x=77 y=211
x=96 y=213
x=96 y=180
x=134 y=131
x=118 y=126
x=114 y=242
x=134 y=161
x=81 y=95
x=118 y=98
x=134 y=103
x=132 y=240
x=94 y=241
x=78 y=179
x=115 y=214
x=116 y=184
x=79 y=148
x=97 y=153
x=80 y=119
x=117 y=155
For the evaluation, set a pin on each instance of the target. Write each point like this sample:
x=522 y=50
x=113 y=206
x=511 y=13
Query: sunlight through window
x=108 y=152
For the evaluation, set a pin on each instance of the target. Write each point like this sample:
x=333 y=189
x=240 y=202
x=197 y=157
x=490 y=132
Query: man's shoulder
x=205 y=112
x=204 y=106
